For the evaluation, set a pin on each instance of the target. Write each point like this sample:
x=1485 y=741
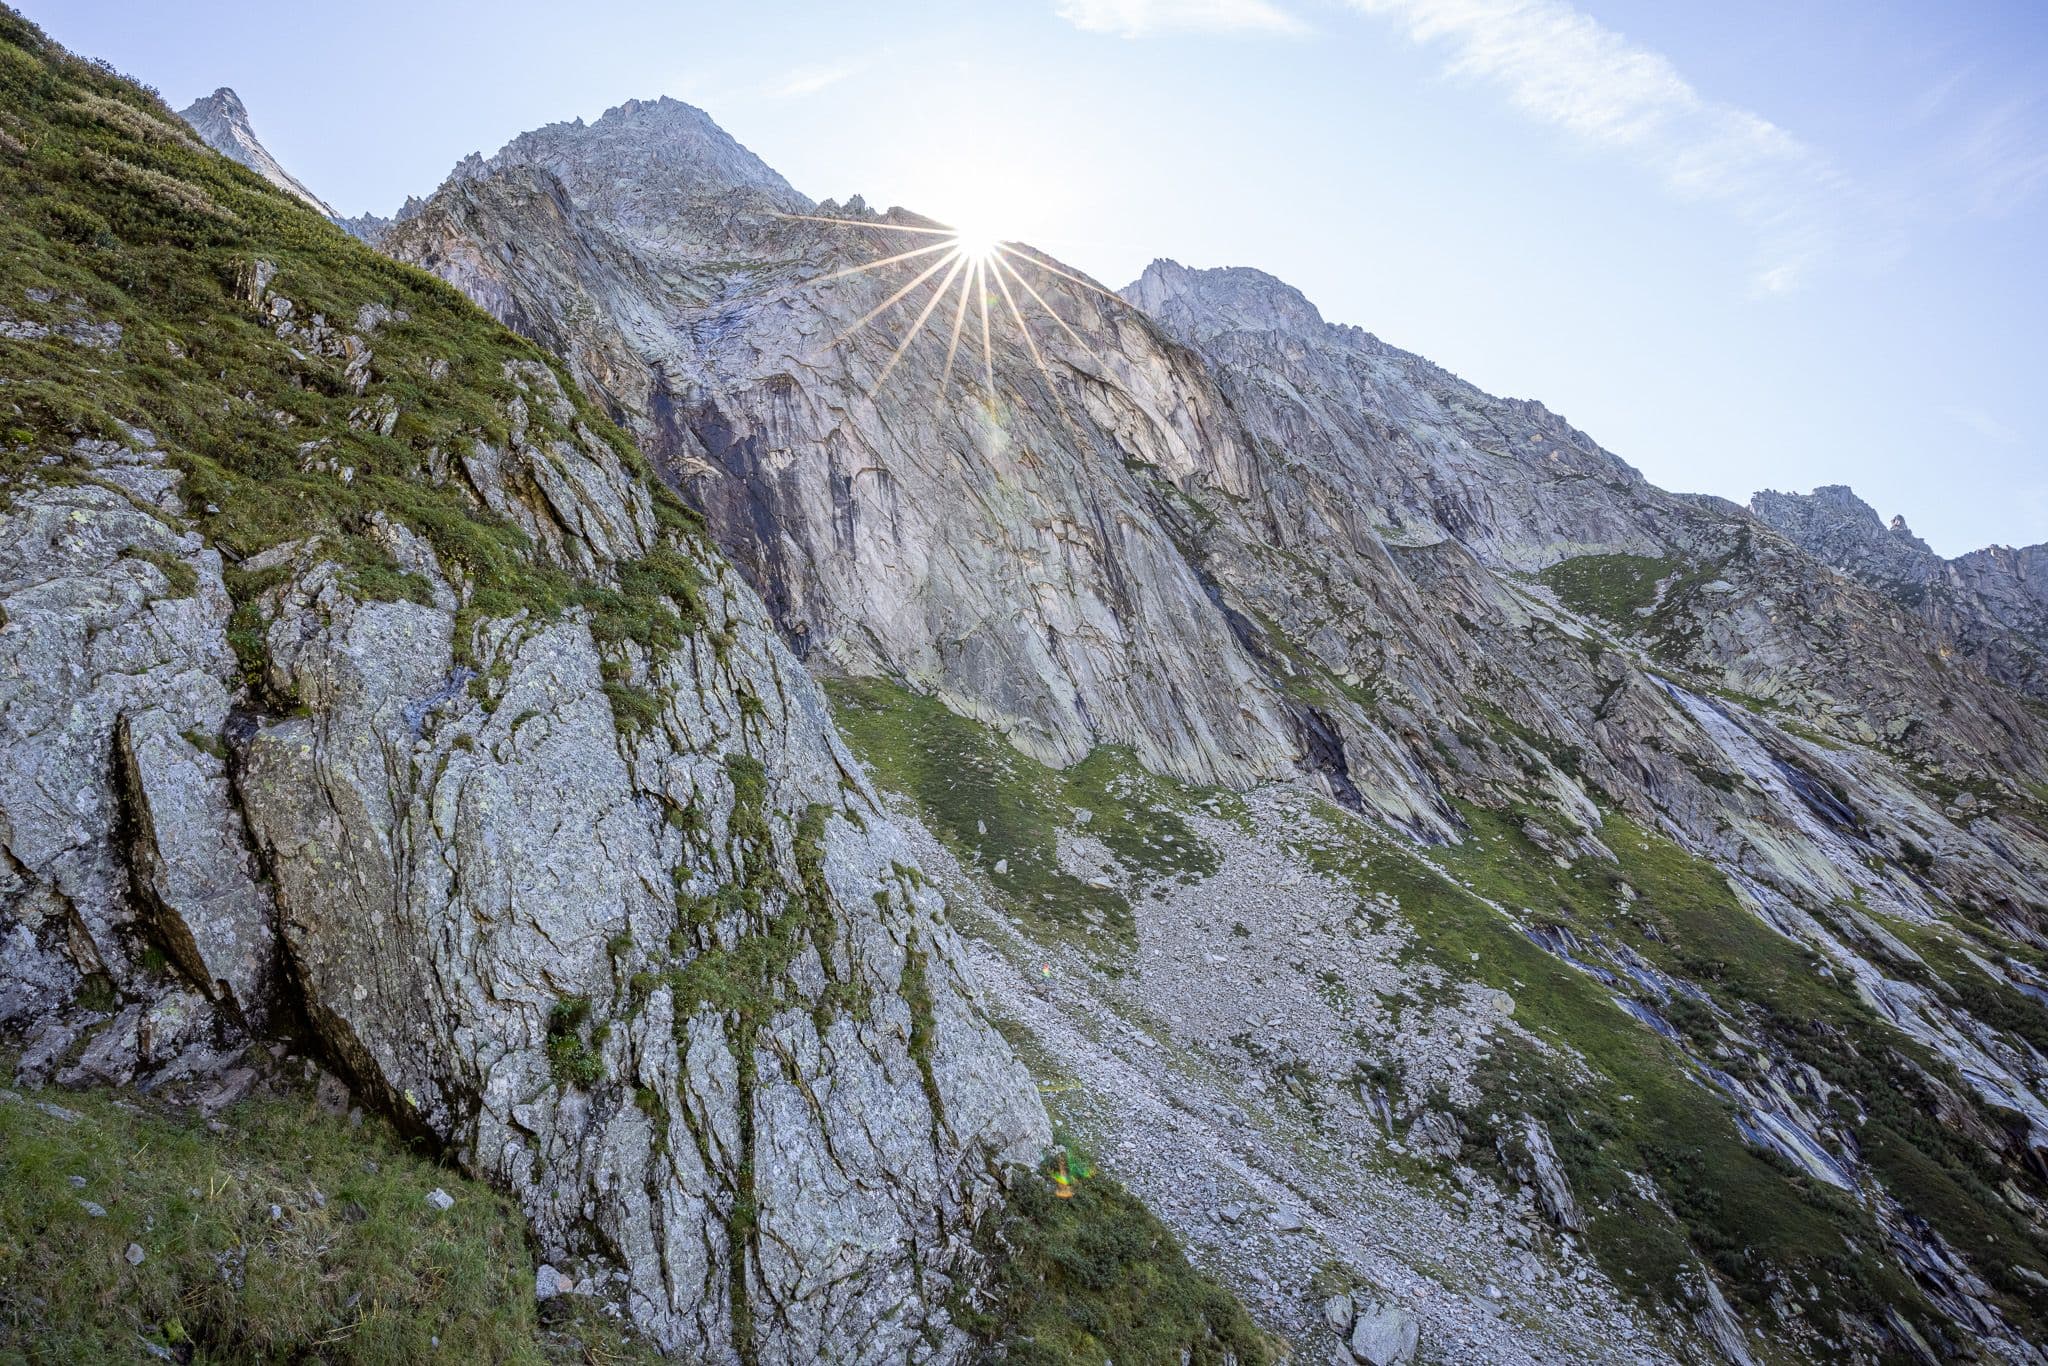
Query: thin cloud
x=2005 y=156
x=1563 y=68
x=1983 y=424
x=1138 y=18
x=800 y=81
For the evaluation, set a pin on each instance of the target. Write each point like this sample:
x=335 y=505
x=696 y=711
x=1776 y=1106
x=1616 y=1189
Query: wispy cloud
x=1983 y=424
x=1137 y=18
x=800 y=81
x=1562 y=67
x=2004 y=155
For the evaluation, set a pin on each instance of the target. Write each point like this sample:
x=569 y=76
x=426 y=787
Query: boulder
x=1385 y=1335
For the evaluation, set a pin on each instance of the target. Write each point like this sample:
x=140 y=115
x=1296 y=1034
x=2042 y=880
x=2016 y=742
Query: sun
x=975 y=241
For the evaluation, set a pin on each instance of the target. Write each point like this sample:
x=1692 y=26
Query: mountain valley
x=1153 y=826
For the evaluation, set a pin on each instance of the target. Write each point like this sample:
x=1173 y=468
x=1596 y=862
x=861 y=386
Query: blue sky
x=1752 y=244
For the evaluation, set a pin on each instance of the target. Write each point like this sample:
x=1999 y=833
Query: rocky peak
x=1992 y=604
x=222 y=120
x=640 y=156
x=1228 y=298
x=1839 y=527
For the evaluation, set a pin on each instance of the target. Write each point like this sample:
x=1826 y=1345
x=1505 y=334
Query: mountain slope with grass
x=368 y=707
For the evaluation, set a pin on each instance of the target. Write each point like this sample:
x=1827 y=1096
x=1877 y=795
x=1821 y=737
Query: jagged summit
x=1994 y=600
x=1835 y=524
x=222 y=120
x=640 y=157
x=1228 y=296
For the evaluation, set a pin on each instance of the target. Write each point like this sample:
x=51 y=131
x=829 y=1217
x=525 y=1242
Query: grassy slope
x=1094 y=1277
x=354 y=1265
x=1643 y=1112
x=1727 y=1195
x=1735 y=1206
x=994 y=806
x=114 y=213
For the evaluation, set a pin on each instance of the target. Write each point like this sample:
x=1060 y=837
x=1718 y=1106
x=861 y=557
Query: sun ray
x=910 y=334
x=1030 y=342
x=988 y=354
x=884 y=261
x=1051 y=312
x=890 y=302
x=977 y=264
x=1033 y=259
x=953 y=346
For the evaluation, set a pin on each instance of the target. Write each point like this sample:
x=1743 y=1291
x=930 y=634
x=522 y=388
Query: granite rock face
x=978 y=548
x=1198 y=521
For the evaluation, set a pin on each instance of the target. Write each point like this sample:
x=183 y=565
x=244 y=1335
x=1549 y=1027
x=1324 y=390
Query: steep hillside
x=362 y=694
x=1458 y=883
x=1199 y=528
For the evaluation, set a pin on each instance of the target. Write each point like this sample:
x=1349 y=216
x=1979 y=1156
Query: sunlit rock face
x=1197 y=520
x=1020 y=551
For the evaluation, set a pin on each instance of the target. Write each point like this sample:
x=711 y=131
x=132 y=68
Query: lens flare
x=975 y=268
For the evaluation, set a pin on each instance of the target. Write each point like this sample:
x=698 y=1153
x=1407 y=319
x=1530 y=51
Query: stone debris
x=1215 y=1142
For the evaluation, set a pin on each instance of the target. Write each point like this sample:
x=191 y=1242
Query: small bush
x=571 y=1059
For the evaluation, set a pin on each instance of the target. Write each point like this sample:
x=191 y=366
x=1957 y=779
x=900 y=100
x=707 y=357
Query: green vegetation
x=1642 y=1112
x=1097 y=1278
x=1654 y=599
x=573 y=1059
x=634 y=709
x=1001 y=811
x=1688 y=922
x=1613 y=588
x=354 y=1265
x=1638 y=1112
x=180 y=579
x=115 y=214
